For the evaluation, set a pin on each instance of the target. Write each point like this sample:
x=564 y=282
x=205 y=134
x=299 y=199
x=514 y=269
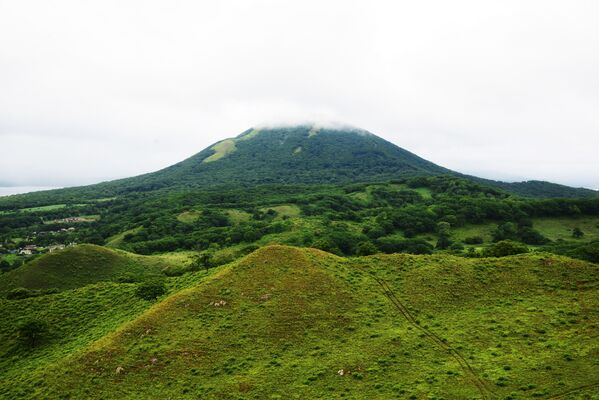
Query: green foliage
x=504 y=248
x=392 y=245
x=577 y=233
x=18 y=293
x=584 y=251
x=474 y=240
x=150 y=290
x=33 y=331
x=366 y=248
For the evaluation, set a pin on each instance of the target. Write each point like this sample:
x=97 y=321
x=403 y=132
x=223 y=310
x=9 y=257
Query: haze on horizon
x=93 y=91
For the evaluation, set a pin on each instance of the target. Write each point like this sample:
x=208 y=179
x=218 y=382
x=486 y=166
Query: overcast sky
x=96 y=90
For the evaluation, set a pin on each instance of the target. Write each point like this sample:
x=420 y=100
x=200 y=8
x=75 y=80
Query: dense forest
x=414 y=215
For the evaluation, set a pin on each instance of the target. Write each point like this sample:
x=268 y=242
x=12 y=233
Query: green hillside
x=287 y=322
x=79 y=266
x=75 y=318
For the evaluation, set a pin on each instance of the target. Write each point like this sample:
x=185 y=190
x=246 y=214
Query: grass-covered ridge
x=82 y=265
x=76 y=319
x=287 y=322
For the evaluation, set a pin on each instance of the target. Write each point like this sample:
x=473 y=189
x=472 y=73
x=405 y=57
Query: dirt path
x=567 y=393
x=482 y=386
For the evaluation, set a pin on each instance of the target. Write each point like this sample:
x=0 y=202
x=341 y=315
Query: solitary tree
x=443 y=230
x=32 y=331
x=204 y=260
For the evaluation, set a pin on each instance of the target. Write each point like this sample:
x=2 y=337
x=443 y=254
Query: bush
x=474 y=240
x=531 y=236
x=413 y=246
x=24 y=293
x=151 y=290
x=4 y=265
x=126 y=277
x=366 y=249
x=19 y=293
x=505 y=248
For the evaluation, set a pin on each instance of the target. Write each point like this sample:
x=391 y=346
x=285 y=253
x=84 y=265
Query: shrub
x=505 y=248
x=413 y=246
x=19 y=293
x=366 y=249
x=4 y=265
x=24 y=293
x=126 y=277
x=151 y=290
x=474 y=240
x=457 y=246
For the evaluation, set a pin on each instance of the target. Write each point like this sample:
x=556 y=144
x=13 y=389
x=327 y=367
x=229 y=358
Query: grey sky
x=95 y=90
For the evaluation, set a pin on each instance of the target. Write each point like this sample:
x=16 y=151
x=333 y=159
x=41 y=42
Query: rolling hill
x=287 y=322
x=80 y=266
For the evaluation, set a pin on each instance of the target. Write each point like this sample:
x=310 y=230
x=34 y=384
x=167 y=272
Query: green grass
x=238 y=216
x=117 y=240
x=189 y=217
x=552 y=228
x=561 y=228
x=282 y=322
x=424 y=192
x=483 y=230
x=285 y=210
x=221 y=149
x=76 y=318
x=248 y=136
x=51 y=207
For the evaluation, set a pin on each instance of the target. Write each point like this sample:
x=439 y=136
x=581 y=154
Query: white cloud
x=100 y=90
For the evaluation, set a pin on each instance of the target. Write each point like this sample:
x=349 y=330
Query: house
x=56 y=247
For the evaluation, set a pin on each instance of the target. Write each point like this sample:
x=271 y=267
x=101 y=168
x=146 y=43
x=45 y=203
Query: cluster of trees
x=380 y=215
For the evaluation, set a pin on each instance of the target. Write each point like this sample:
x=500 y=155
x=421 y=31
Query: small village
x=32 y=249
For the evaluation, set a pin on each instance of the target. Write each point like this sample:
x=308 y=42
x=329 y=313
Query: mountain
x=304 y=154
x=307 y=154
x=297 y=155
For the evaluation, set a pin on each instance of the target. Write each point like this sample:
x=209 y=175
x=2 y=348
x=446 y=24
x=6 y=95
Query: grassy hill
x=82 y=265
x=76 y=319
x=286 y=322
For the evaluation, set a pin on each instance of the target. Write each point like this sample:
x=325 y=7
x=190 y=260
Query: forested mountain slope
x=303 y=154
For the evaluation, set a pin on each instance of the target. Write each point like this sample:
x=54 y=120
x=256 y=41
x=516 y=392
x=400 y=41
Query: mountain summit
x=300 y=154
x=309 y=154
